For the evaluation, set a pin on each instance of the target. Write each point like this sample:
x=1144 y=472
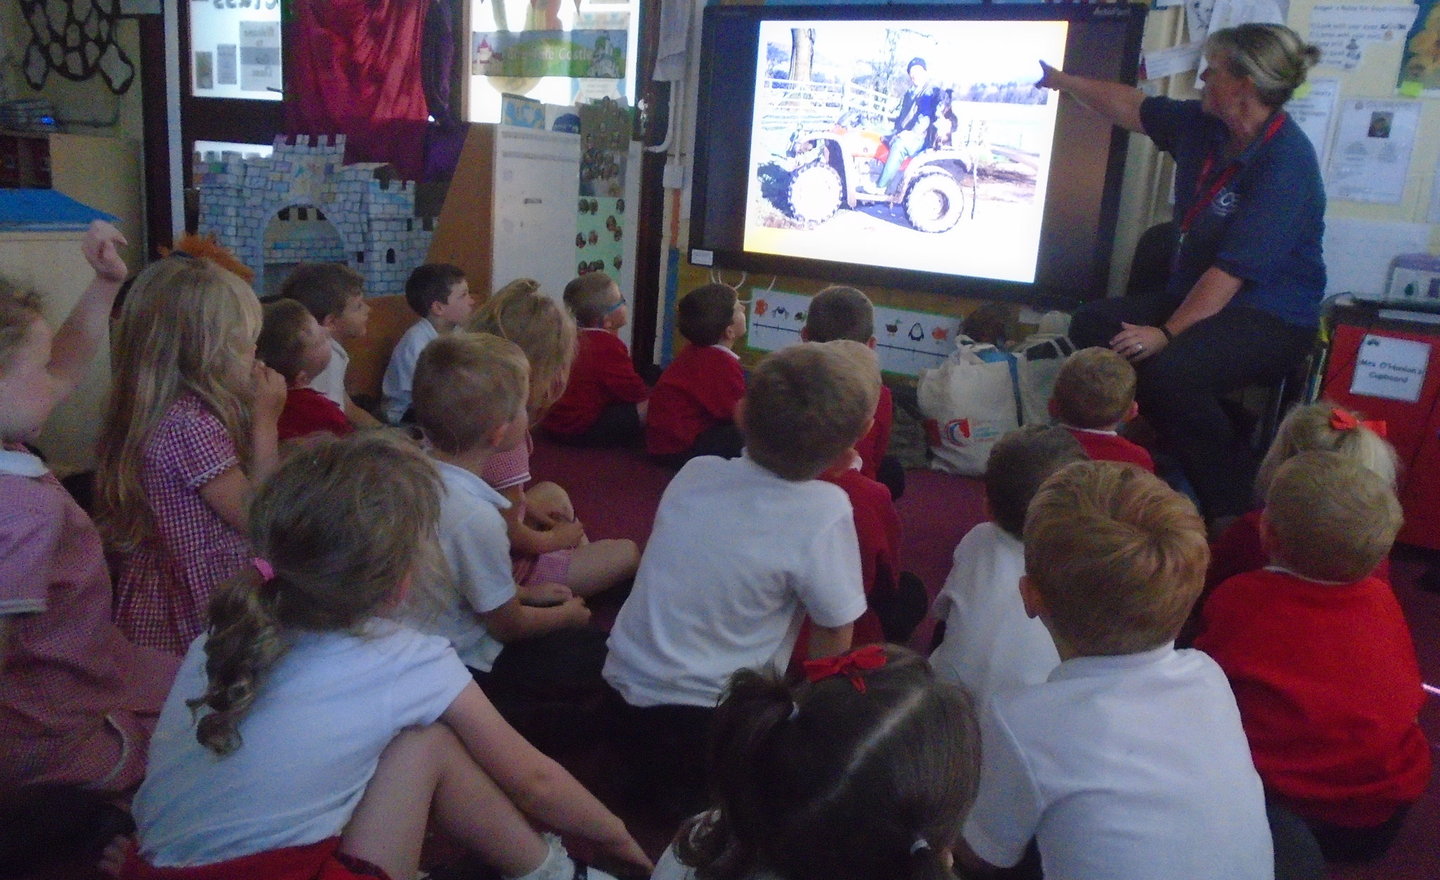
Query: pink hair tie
x=266 y=570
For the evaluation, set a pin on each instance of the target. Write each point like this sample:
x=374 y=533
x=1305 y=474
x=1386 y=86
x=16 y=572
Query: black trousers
x=1180 y=388
x=618 y=425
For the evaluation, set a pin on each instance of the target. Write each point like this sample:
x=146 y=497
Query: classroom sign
x=1390 y=368
x=579 y=53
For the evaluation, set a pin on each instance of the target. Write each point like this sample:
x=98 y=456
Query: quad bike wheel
x=935 y=202
x=815 y=193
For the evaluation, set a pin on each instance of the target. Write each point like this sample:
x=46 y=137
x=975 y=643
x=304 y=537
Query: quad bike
x=838 y=167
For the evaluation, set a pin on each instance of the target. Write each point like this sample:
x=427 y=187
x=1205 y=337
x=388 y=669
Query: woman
x=1247 y=277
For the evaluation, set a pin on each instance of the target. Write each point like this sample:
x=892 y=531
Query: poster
x=605 y=128
x=260 y=56
x=1370 y=159
x=1343 y=31
x=1314 y=112
x=548 y=53
x=1420 y=67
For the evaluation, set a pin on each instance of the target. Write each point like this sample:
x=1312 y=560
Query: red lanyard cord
x=1210 y=188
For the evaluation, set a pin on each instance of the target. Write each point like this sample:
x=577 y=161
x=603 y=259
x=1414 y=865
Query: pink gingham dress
x=502 y=471
x=163 y=595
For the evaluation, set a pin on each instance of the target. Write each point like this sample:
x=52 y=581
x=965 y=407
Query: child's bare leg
x=425 y=768
x=600 y=565
x=549 y=503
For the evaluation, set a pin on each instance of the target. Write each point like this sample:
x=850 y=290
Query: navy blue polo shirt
x=1265 y=224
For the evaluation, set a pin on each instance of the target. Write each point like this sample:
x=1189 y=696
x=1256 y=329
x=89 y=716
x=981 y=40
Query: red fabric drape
x=356 y=71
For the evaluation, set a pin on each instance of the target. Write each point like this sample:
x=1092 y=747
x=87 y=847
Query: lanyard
x=1212 y=188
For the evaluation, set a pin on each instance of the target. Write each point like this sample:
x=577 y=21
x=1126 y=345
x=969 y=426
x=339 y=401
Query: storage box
x=1414 y=281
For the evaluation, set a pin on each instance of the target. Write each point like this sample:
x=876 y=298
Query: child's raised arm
x=89 y=321
x=229 y=493
x=539 y=786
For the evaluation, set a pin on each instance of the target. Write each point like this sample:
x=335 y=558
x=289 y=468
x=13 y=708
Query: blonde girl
x=1316 y=427
x=547 y=542
x=308 y=735
x=190 y=425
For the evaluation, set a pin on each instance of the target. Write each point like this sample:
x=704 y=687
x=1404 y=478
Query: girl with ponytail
x=862 y=772
x=308 y=736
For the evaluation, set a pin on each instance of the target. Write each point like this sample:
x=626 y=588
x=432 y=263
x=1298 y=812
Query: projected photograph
x=909 y=144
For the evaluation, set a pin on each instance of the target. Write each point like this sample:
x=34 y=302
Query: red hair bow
x=1344 y=420
x=849 y=665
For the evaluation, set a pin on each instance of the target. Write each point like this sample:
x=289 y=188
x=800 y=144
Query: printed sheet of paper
x=1314 y=112
x=1168 y=62
x=1358 y=252
x=1390 y=368
x=1370 y=159
x=1433 y=215
x=260 y=56
x=1208 y=16
x=1342 y=31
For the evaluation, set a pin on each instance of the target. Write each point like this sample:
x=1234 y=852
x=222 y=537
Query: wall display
x=599 y=54
x=1370 y=161
x=906 y=146
x=1343 y=31
x=75 y=39
x=235 y=49
x=1420 y=69
x=1313 y=109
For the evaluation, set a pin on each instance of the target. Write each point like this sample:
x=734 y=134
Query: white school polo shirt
x=737 y=557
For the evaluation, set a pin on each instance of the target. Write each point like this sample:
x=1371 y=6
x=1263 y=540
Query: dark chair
x=1150 y=266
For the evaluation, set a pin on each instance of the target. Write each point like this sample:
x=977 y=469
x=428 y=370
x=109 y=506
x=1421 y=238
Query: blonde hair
x=341 y=523
x=1272 y=56
x=1309 y=428
x=1094 y=389
x=186 y=326
x=808 y=403
x=1118 y=557
x=466 y=386
x=544 y=331
x=19 y=310
x=1333 y=519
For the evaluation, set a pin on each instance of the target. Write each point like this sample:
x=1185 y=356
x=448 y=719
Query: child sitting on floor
x=1129 y=761
x=1321 y=659
x=989 y=642
x=605 y=401
x=335 y=294
x=470 y=396
x=839 y=312
x=309 y=736
x=692 y=407
x=77 y=700
x=293 y=344
x=872 y=734
x=740 y=549
x=1094 y=395
x=440 y=295
x=547 y=543
x=190 y=428
x=1316 y=427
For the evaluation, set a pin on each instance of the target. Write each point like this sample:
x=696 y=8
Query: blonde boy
x=740 y=550
x=605 y=400
x=1129 y=761
x=1094 y=395
x=440 y=295
x=335 y=294
x=293 y=344
x=470 y=393
x=1321 y=658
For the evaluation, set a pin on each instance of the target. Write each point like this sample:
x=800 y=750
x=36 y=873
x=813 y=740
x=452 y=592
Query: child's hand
x=625 y=849
x=544 y=595
x=574 y=612
x=99 y=247
x=268 y=388
x=567 y=534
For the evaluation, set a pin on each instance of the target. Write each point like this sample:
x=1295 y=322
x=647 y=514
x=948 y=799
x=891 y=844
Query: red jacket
x=1329 y=692
x=877 y=527
x=602 y=374
x=1113 y=447
x=308 y=411
x=696 y=392
x=873 y=445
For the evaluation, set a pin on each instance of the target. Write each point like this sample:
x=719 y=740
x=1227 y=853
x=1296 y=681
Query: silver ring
x=1139 y=346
